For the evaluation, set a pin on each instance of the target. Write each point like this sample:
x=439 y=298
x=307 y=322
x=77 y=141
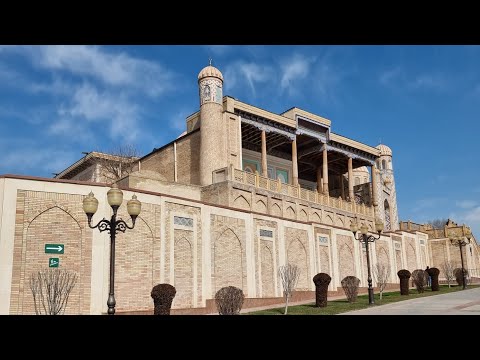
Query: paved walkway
x=464 y=302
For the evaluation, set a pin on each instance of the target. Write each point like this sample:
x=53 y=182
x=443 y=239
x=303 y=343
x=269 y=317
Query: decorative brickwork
x=266 y=257
x=411 y=254
x=228 y=253
x=398 y=259
x=181 y=244
x=50 y=218
x=297 y=253
x=183 y=268
x=346 y=264
x=268 y=283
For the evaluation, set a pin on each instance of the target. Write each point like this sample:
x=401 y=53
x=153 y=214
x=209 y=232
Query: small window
x=266 y=233
x=384 y=165
x=183 y=221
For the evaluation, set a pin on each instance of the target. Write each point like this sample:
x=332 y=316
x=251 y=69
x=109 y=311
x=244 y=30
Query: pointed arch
x=303 y=215
x=228 y=258
x=52 y=225
x=290 y=212
x=276 y=210
x=268 y=282
x=328 y=220
x=297 y=254
x=261 y=207
x=346 y=261
x=411 y=258
x=241 y=203
x=134 y=266
x=183 y=273
x=316 y=217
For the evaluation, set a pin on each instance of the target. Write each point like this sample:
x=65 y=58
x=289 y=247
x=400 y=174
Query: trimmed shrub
x=163 y=295
x=321 y=281
x=458 y=275
x=420 y=279
x=404 y=276
x=229 y=300
x=433 y=273
x=350 y=286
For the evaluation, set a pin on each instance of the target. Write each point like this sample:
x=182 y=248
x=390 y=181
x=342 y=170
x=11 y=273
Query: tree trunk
x=286 y=306
x=381 y=293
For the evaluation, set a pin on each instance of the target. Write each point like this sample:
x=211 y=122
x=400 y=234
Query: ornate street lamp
x=365 y=238
x=461 y=242
x=115 y=199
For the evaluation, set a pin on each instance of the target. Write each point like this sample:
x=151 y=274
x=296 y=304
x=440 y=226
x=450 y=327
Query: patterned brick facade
x=346 y=265
x=228 y=252
x=297 y=252
x=267 y=257
x=50 y=218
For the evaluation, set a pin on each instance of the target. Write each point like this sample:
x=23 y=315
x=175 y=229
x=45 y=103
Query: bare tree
x=381 y=273
x=350 y=286
x=420 y=279
x=289 y=274
x=118 y=162
x=437 y=223
x=447 y=268
x=51 y=289
x=229 y=300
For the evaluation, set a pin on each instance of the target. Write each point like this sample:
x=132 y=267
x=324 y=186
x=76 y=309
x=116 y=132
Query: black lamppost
x=460 y=242
x=115 y=199
x=365 y=238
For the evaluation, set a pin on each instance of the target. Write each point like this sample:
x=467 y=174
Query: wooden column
x=319 y=179
x=350 y=179
x=264 y=154
x=325 y=170
x=342 y=188
x=373 y=170
x=294 y=162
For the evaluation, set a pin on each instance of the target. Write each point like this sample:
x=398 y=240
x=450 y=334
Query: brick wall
x=188 y=159
x=229 y=267
x=161 y=162
x=50 y=218
x=411 y=254
x=266 y=258
x=186 y=242
x=346 y=258
x=136 y=271
x=183 y=269
x=296 y=242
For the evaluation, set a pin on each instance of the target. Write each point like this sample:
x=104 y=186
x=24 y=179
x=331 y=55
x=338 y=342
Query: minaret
x=213 y=147
x=387 y=197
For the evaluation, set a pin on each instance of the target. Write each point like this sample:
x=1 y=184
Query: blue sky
x=422 y=101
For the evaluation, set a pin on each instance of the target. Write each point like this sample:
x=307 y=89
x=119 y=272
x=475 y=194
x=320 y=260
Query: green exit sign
x=54 y=248
x=53 y=262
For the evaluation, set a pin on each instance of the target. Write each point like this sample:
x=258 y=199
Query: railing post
x=256 y=179
x=231 y=172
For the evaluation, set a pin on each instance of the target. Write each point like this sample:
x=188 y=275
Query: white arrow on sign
x=58 y=248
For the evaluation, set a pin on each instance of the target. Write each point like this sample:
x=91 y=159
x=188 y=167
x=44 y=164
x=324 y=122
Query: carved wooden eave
x=351 y=152
x=265 y=124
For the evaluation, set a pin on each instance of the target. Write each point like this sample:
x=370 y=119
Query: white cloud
x=218 y=50
x=26 y=159
x=390 y=76
x=428 y=81
x=429 y=203
x=102 y=108
x=177 y=122
x=397 y=77
x=466 y=204
x=113 y=69
x=295 y=68
x=250 y=73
